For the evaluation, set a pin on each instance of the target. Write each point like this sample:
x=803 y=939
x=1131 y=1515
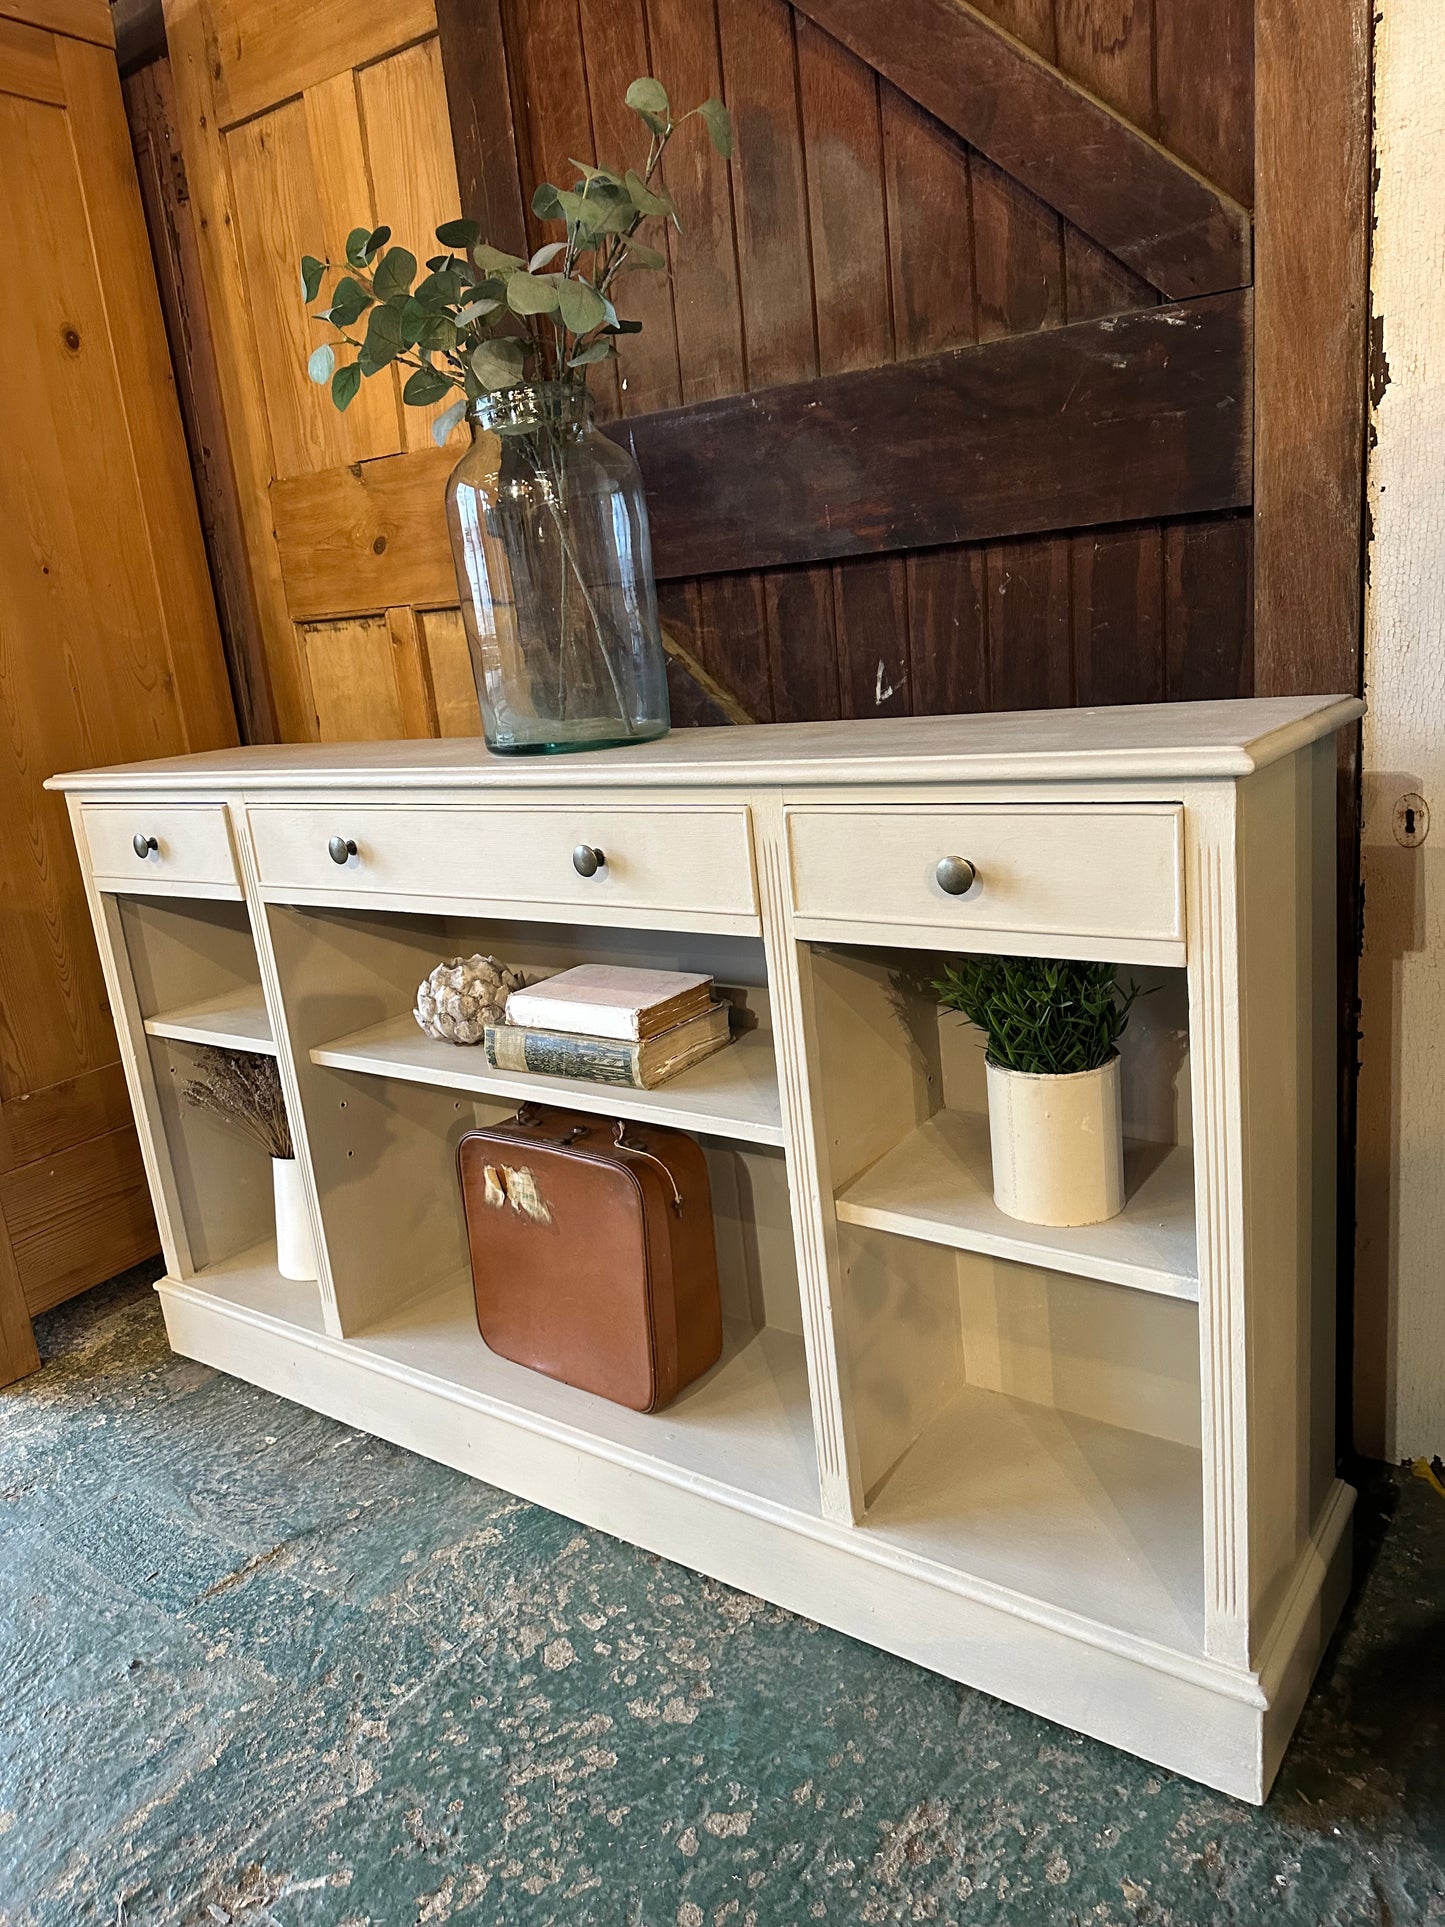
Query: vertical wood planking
x=1019 y=274
x=1204 y=93
x=1207 y=604
x=843 y=143
x=614 y=35
x=281 y=215
x=1118 y=615
x=484 y=137
x=413 y=178
x=775 y=285
x=154 y=118
x=930 y=241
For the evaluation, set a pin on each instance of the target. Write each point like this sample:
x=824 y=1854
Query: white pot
x=1058 y=1144
x=295 y=1248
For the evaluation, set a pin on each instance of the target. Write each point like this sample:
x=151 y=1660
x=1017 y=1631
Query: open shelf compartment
x=1017 y=1418
x=906 y=1104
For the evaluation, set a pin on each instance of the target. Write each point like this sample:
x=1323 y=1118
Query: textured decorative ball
x=460 y=998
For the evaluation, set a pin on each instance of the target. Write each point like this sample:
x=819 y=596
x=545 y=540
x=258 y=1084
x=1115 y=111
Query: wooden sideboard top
x=1174 y=740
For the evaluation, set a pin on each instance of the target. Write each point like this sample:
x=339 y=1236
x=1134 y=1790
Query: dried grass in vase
x=244 y=1089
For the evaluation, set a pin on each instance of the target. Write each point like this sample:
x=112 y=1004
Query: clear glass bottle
x=554 y=564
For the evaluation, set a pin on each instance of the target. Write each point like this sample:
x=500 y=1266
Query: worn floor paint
x=256 y=1667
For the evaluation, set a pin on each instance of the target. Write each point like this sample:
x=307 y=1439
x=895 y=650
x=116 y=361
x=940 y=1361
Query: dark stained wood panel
x=1166 y=222
x=1100 y=421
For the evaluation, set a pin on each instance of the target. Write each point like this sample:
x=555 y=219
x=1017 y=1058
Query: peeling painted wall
x=1400 y=1290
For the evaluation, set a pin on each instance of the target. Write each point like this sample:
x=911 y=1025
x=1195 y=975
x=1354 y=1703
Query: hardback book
x=642 y=1063
x=610 y=1000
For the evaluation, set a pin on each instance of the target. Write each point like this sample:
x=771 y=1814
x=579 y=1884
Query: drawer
x=695 y=861
x=192 y=853
x=1099 y=874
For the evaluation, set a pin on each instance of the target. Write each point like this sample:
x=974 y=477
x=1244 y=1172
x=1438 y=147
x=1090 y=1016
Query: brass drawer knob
x=956 y=875
x=340 y=848
x=586 y=861
x=143 y=845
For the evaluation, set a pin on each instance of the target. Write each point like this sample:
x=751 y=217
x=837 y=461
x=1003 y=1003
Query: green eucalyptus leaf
x=321 y=364
x=356 y=246
x=648 y=96
x=312 y=272
x=547 y=203
x=644 y=257
x=414 y=321
x=344 y=384
x=581 y=306
x=459 y=234
x=718 y=122
x=531 y=293
x=495 y=261
x=439 y=337
x=544 y=257
x=499 y=363
x=349 y=302
x=441 y=289
x=659 y=129
x=395 y=273
x=447 y=420
x=426 y=386
x=644 y=199
x=476 y=311
x=590 y=173
x=375 y=242
x=598 y=350
x=383 y=338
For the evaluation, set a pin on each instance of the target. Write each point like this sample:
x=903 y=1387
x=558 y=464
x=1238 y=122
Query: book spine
x=510 y=1048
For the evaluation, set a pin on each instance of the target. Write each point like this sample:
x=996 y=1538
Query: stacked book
x=611 y=1025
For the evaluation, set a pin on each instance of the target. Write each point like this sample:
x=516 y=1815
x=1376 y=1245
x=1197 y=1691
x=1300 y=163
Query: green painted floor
x=257 y=1668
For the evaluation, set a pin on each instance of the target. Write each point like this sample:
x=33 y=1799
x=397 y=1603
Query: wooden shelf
x=743 y=1430
x=1080 y=1515
x=733 y=1093
x=236 y=1020
x=937 y=1185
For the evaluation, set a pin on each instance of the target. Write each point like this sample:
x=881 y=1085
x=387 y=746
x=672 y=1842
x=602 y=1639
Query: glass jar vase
x=554 y=565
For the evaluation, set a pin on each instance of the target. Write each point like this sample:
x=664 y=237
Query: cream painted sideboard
x=1089 y=1471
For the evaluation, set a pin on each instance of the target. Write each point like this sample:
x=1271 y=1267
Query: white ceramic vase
x=1057 y=1144
x=295 y=1248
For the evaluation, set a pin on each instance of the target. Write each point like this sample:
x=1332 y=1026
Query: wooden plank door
x=298 y=126
x=109 y=650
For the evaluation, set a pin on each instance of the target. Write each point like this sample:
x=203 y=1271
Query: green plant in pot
x=1054 y=1112
x=548 y=525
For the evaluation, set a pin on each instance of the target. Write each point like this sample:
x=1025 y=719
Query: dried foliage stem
x=244 y=1089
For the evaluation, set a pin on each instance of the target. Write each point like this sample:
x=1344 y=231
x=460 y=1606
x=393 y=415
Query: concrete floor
x=257 y=1668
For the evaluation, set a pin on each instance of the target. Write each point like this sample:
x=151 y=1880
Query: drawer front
x=691 y=860
x=192 y=847
x=1082 y=871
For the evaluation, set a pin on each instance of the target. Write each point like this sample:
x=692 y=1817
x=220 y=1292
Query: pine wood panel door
x=109 y=650
x=297 y=127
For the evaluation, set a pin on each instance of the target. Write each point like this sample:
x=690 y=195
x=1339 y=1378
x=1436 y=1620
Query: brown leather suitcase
x=592 y=1252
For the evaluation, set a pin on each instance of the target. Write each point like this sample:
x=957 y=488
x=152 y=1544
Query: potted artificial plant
x=243 y=1089
x=1054 y=1115
x=548 y=526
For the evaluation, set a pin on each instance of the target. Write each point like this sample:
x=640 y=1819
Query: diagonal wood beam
x=1123 y=419
x=1151 y=210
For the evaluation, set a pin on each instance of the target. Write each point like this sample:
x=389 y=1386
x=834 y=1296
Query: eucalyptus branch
x=474 y=321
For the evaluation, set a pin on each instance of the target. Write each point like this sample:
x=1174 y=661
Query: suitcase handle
x=529 y=1114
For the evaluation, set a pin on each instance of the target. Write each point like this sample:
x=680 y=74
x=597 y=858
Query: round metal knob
x=340 y=848
x=143 y=845
x=586 y=861
x=956 y=875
